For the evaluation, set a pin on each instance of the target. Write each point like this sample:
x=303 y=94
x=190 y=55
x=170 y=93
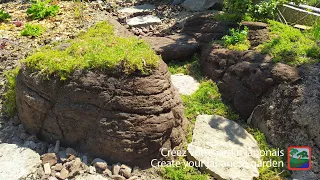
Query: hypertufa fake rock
x=126 y=119
x=118 y=116
x=223 y=149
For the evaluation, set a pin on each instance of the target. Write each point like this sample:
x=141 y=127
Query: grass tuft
x=97 y=49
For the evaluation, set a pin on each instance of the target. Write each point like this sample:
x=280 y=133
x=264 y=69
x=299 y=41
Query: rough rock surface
x=243 y=77
x=17 y=162
x=222 y=146
x=290 y=116
x=200 y=5
x=205 y=29
x=174 y=47
x=123 y=119
x=258 y=32
x=185 y=84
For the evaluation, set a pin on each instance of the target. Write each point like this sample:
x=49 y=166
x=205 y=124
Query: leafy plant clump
x=4 y=16
x=250 y=10
x=97 y=49
x=33 y=30
x=10 y=94
x=41 y=9
x=290 y=45
x=237 y=40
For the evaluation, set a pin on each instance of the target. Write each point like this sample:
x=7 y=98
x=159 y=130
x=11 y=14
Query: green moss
x=289 y=45
x=10 y=94
x=267 y=173
x=183 y=172
x=190 y=67
x=207 y=100
x=97 y=49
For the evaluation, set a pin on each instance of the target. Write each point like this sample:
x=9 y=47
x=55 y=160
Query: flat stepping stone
x=137 y=9
x=224 y=148
x=17 y=162
x=185 y=84
x=143 y=20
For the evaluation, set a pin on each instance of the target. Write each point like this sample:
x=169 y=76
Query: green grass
x=268 y=173
x=289 y=45
x=183 y=172
x=33 y=30
x=10 y=94
x=97 y=49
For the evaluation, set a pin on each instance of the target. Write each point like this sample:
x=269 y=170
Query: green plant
x=182 y=172
x=237 y=40
x=268 y=172
x=41 y=9
x=33 y=30
x=290 y=45
x=97 y=49
x=261 y=11
x=4 y=16
x=10 y=93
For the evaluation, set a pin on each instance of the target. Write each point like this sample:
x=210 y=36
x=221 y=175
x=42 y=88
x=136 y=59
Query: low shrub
x=33 y=30
x=4 y=15
x=41 y=9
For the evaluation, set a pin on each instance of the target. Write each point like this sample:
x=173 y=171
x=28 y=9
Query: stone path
x=185 y=84
x=224 y=148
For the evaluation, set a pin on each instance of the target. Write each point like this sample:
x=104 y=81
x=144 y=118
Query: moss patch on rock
x=289 y=45
x=97 y=49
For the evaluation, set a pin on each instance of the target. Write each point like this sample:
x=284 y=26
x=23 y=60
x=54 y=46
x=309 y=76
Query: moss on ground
x=207 y=100
x=289 y=45
x=97 y=49
x=10 y=94
x=183 y=172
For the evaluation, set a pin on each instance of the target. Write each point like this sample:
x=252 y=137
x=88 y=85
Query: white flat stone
x=224 y=148
x=17 y=162
x=143 y=20
x=185 y=84
x=137 y=9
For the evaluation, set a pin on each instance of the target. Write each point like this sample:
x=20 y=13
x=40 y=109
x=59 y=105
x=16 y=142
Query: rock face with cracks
x=124 y=118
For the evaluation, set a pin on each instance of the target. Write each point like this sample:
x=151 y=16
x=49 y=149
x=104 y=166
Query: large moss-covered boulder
x=114 y=101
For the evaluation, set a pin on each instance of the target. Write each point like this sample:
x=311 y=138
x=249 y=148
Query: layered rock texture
x=121 y=118
x=244 y=76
